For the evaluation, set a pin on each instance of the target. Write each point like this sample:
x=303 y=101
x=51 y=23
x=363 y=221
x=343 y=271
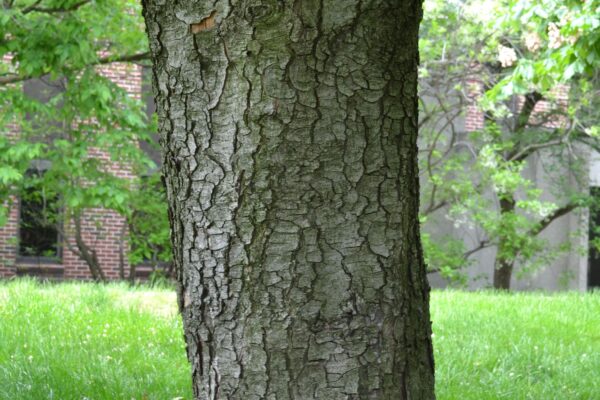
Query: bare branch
x=482 y=245
x=434 y=207
x=528 y=150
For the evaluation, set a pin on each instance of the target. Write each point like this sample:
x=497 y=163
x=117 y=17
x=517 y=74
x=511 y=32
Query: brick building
x=27 y=249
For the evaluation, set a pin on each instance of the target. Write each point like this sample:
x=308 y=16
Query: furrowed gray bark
x=289 y=135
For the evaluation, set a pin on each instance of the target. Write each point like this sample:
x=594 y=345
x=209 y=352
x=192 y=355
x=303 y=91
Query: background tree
x=532 y=67
x=83 y=125
x=289 y=131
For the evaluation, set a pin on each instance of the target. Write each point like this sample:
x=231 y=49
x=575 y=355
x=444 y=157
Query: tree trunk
x=289 y=130
x=503 y=265
x=502 y=273
x=87 y=253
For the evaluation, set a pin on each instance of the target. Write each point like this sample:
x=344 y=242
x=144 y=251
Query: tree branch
x=543 y=224
x=482 y=245
x=47 y=10
x=14 y=78
x=528 y=150
x=123 y=58
x=434 y=207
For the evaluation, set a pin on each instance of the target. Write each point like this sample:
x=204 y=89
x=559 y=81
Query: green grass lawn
x=83 y=341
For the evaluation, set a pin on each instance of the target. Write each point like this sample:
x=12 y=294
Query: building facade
x=28 y=248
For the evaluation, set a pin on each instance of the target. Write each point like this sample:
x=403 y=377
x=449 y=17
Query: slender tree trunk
x=289 y=130
x=503 y=265
x=85 y=252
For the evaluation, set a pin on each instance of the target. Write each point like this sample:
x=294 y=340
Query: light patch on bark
x=204 y=25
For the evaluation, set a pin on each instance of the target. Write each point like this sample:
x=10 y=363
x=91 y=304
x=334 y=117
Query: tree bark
x=289 y=133
x=503 y=265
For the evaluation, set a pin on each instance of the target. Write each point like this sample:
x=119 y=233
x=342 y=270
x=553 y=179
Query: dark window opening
x=39 y=218
x=594 y=246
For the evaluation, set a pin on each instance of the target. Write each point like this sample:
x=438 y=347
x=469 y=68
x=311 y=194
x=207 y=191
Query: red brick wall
x=474 y=119
x=8 y=243
x=8 y=232
x=103 y=230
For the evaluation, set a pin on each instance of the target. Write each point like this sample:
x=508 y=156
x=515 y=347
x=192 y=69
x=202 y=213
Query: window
x=39 y=216
x=39 y=213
